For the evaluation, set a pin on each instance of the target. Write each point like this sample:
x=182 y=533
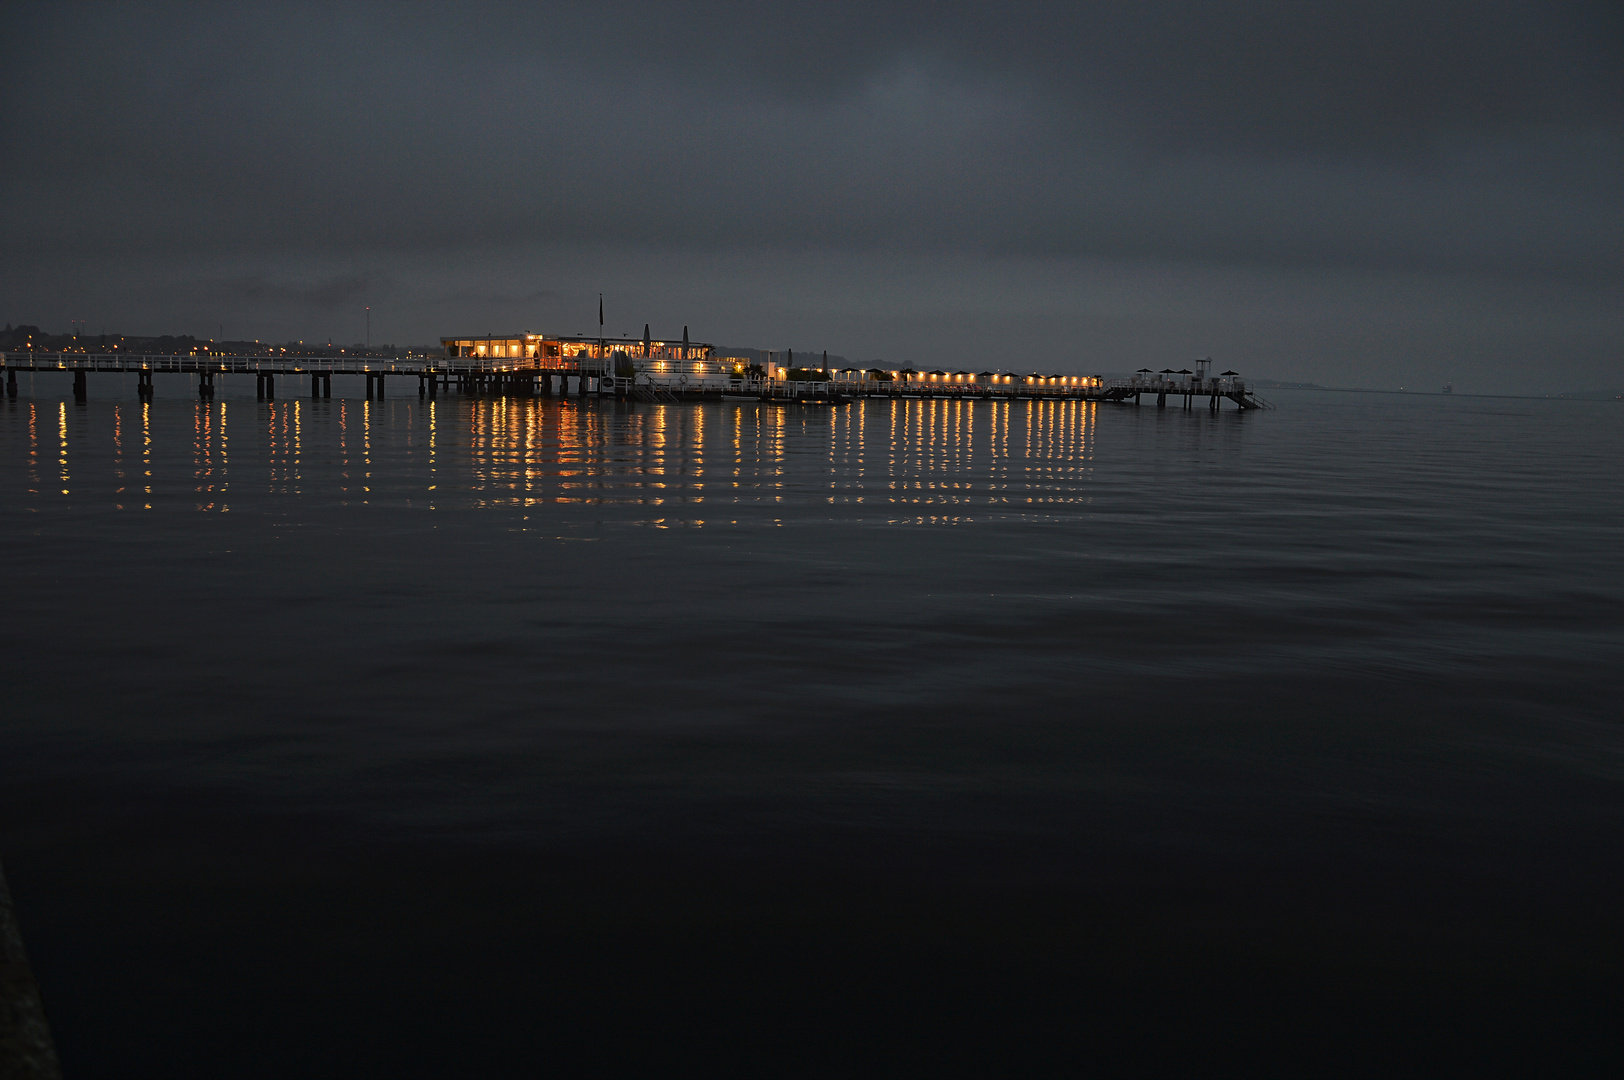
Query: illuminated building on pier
x=548 y=351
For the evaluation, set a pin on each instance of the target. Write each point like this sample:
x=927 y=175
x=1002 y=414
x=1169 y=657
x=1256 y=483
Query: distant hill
x=803 y=357
x=16 y=338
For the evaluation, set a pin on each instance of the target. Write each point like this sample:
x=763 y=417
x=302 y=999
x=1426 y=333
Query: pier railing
x=271 y=364
x=1157 y=385
x=970 y=389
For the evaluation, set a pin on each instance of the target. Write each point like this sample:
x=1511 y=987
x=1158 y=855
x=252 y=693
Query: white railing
x=1158 y=385
x=294 y=365
x=877 y=387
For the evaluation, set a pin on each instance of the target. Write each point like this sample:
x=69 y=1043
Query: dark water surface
x=500 y=737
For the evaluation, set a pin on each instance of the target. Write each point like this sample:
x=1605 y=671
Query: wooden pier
x=432 y=374
x=528 y=377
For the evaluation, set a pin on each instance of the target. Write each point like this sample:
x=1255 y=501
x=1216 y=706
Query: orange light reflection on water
x=942 y=460
x=146 y=451
x=62 y=442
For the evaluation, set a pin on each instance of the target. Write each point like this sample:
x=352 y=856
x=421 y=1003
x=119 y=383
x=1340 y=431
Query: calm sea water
x=404 y=736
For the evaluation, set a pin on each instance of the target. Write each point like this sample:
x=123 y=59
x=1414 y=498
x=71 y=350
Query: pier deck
x=527 y=377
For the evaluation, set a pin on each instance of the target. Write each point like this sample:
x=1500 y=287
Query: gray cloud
x=258 y=288
x=1482 y=141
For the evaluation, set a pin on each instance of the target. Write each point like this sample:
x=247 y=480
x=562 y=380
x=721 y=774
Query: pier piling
x=11 y=384
x=80 y=393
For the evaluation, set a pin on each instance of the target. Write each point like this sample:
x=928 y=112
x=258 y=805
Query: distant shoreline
x=1436 y=393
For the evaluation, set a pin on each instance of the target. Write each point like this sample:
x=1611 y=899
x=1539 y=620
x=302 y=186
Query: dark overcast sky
x=1359 y=194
